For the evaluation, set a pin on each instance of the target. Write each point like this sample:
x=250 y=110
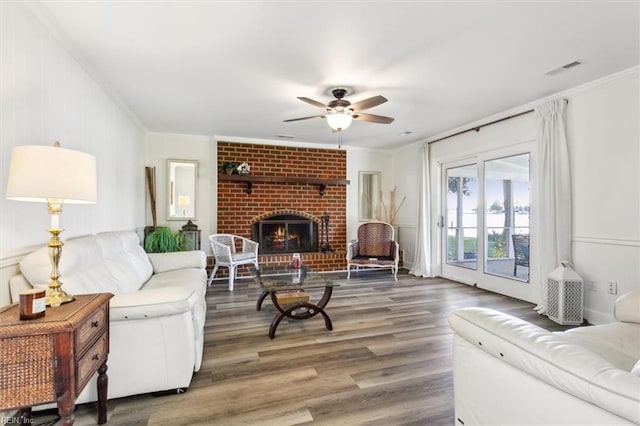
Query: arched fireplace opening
x=285 y=233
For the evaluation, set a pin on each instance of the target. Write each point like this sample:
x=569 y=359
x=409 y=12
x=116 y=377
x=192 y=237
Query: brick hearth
x=237 y=210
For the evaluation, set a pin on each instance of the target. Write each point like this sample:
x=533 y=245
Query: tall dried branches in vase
x=390 y=212
x=150 y=174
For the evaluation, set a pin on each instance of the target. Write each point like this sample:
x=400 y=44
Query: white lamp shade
x=38 y=173
x=339 y=120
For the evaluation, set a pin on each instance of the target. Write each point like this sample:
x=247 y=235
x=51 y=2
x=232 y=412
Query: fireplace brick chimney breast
x=237 y=211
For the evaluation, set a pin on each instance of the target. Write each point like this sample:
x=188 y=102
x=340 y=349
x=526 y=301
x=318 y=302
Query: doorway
x=486 y=221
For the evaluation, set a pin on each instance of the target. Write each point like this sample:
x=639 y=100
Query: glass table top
x=284 y=277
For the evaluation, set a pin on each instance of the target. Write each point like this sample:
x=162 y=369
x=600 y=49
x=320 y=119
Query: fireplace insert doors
x=286 y=234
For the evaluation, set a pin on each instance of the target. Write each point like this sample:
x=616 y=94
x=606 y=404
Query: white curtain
x=555 y=227
x=422 y=266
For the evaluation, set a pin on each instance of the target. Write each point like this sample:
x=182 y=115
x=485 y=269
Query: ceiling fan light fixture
x=339 y=120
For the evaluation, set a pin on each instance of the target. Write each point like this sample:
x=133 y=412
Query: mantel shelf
x=249 y=180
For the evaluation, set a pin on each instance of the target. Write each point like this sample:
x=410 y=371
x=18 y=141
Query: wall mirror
x=181 y=181
x=368 y=195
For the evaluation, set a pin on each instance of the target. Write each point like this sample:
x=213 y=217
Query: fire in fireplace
x=286 y=233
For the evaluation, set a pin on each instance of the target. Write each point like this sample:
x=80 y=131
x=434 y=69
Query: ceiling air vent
x=564 y=68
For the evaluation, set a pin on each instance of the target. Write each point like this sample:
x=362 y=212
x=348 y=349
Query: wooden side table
x=51 y=359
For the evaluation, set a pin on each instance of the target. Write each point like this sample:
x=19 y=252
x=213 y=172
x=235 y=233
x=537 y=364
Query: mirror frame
x=172 y=196
x=368 y=194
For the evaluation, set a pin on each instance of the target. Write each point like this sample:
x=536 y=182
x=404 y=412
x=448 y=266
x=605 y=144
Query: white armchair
x=224 y=251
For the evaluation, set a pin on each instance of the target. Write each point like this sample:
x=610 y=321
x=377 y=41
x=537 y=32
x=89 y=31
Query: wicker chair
x=374 y=248
x=520 y=250
x=224 y=251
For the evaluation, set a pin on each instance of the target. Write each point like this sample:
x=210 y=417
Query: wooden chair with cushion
x=374 y=248
x=224 y=251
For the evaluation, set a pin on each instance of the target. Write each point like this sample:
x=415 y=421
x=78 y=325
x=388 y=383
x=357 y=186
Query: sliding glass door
x=486 y=221
x=462 y=216
x=507 y=217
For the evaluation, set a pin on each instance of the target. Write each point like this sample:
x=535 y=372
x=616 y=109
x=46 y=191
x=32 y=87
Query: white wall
x=604 y=143
x=161 y=147
x=603 y=121
x=405 y=178
x=360 y=159
x=47 y=96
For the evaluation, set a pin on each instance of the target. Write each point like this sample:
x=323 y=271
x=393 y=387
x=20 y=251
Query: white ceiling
x=235 y=68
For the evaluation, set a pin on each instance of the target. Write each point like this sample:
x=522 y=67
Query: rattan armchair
x=224 y=251
x=374 y=248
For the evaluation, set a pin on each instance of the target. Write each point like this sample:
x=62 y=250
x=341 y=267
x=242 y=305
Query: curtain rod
x=477 y=128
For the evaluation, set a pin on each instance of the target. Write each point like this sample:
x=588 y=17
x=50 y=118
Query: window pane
x=506 y=215
x=462 y=210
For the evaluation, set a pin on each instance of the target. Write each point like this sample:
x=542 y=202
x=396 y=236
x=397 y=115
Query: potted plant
x=163 y=240
x=228 y=167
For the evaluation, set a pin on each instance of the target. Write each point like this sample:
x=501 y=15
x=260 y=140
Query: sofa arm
x=550 y=358
x=17 y=284
x=153 y=303
x=627 y=307
x=163 y=262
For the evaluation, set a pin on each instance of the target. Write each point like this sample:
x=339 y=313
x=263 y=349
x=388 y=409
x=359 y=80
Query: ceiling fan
x=340 y=112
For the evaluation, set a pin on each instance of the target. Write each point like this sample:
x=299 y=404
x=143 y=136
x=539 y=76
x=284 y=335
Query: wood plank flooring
x=387 y=361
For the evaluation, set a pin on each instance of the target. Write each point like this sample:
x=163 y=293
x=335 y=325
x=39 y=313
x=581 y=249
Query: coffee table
x=278 y=279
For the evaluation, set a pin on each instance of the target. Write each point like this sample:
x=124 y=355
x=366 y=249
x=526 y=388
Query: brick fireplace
x=292 y=185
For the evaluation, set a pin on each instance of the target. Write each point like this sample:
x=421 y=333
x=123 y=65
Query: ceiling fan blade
x=372 y=118
x=312 y=102
x=368 y=103
x=303 y=118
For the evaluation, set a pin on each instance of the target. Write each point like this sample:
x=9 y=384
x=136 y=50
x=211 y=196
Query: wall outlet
x=592 y=285
x=613 y=287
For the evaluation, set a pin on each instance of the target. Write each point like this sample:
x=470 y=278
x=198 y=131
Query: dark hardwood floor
x=387 y=361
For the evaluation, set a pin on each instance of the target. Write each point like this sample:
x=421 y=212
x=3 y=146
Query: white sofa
x=508 y=371
x=157 y=313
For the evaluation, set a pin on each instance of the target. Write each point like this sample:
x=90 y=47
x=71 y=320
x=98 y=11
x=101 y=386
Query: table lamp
x=52 y=175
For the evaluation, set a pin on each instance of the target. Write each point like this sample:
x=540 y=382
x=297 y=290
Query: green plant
x=228 y=167
x=163 y=240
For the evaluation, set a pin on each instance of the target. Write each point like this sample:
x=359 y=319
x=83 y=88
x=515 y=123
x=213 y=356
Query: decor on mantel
x=228 y=167
x=250 y=179
x=391 y=212
x=244 y=169
x=55 y=176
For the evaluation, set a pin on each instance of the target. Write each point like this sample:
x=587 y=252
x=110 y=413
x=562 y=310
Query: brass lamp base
x=57 y=296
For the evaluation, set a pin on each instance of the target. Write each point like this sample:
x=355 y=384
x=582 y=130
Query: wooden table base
x=297 y=311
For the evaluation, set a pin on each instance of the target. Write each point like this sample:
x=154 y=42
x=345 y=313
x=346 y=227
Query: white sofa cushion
x=154 y=303
x=109 y=262
x=163 y=262
x=618 y=343
x=627 y=307
x=190 y=278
